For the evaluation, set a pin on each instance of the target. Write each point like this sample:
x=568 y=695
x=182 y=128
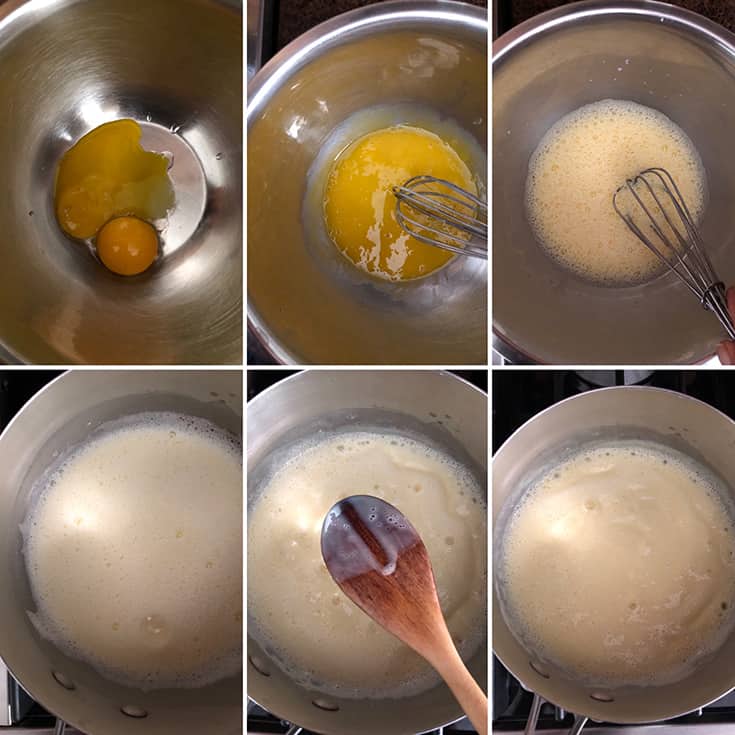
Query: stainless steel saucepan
x=59 y=416
x=670 y=418
x=437 y=406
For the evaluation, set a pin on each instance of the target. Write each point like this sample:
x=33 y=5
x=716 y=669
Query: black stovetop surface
x=17 y=387
x=519 y=395
x=512 y=704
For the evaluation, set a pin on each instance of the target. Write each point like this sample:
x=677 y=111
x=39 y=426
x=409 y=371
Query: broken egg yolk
x=108 y=174
x=359 y=206
x=127 y=245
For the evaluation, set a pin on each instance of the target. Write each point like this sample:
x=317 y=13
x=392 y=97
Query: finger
x=731 y=301
x=726 y=353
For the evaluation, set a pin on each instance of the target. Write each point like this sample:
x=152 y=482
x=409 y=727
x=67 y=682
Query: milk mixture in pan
x=619 y=565
x=296 y=610
x=577 y=167
x=133 y=547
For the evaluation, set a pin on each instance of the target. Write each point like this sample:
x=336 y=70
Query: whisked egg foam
x=618 y=566
x=133 y=549
x=297 y=612
x=576 y=169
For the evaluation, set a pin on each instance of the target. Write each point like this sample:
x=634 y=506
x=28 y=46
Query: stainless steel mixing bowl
x=648 y=52
x=176 y=67
x=306 y=302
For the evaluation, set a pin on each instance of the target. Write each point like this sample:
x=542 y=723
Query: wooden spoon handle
x=466 y=690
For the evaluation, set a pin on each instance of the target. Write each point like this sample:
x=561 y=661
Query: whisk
x=442 y=214
x=674 y=237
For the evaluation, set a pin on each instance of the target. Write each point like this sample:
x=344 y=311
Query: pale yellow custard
x=134 y=553
x=619 y=566
x=295 y=609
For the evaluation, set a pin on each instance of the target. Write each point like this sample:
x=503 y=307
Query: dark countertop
x=720 y=11
x=297 y=16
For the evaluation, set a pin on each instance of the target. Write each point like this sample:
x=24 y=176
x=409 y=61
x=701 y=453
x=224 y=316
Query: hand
x=726 y=350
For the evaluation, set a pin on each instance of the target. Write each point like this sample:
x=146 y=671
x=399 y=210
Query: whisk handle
x=728 y=326
x=714 y=299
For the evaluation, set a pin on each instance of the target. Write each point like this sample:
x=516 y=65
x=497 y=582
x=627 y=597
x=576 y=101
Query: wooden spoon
x=380 y=562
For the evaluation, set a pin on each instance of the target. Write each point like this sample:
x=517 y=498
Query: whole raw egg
x=359 y=206
x=108 y=175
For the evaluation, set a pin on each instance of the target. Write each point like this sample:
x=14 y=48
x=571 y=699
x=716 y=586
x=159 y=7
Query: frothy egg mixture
x=576 y=169
x=619 y=566
x=133 y=548
x=359 y=206
x=298 y=613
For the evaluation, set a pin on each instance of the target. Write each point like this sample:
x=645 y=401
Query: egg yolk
x=359 y=206
x=108 y=174
x=127 y=245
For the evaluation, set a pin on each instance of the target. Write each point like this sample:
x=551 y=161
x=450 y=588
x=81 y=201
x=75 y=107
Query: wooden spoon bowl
x=380 y=562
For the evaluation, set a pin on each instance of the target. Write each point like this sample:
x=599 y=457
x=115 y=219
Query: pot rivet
x=131 y=710
x=539 y=669
x=63 y=680
x=259 y=665
x=602 y=697
x=325 y=704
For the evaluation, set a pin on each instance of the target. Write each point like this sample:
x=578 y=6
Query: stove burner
x=608 y=378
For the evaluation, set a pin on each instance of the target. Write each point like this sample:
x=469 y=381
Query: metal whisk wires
x=672 y=235
x=442 y=214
